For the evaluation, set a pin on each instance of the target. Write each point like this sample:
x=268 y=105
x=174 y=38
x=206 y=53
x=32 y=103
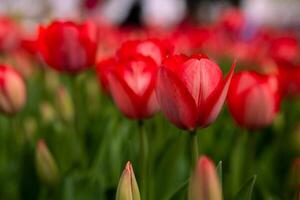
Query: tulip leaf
x=179 y=190
x=220 y=170
x=245 y=192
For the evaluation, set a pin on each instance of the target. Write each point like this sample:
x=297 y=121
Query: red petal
x=123 y=96
x=259 y=107
x=103 y=68
x=253 y=99
x=175 y=101
x=216 y=100
x=201 y=77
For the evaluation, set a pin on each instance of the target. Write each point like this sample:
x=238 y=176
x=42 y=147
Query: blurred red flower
x=190 y=90
x=154 y=48
x=68 y=47
x=103 y=68
x=12 y=90
x=285 y=50
x=253 y=99
x=9 y=35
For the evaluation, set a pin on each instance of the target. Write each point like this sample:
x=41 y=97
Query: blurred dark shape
x=134 y=17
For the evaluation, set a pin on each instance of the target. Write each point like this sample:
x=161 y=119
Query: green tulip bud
x=128 y=188
x=65 y=104
x=47 y=170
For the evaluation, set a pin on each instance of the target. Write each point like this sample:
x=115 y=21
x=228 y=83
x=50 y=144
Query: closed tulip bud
x=30 y=127
x=205 y=184
x=47 y=112
x=51 y=81
x=65 y=104
x=12 y=90
x=128 y=188
x=191 y=90
x=46 y=168
x=253 y=99
x=92 y=91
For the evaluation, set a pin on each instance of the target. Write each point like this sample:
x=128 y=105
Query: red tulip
x=289 y=79
x=285 y=50
x=9 y=35
x=12 y=90
x=131 y=84
x=154 y=48
x=68 y=47
x=103 y=68
x=253 y=99
x=190 y=90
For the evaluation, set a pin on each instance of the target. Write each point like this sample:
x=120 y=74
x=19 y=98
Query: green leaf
x=179 y=190
x=220 y=170
x=245 y=192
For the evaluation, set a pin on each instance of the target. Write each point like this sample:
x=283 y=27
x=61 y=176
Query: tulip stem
x=194 y=147
x=143 y=160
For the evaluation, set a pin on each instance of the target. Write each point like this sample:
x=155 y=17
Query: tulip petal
x=215 y=101
x=152 y=105
x=259 y=110
x=201 y=78
x=122 y=96
x=175 y=100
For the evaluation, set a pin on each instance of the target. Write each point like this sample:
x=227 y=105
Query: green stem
x=77 y=122
x=194 y=148
x=76 y=104
x=143 y=160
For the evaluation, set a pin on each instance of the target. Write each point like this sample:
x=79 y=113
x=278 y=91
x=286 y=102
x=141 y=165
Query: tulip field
x=199 y=112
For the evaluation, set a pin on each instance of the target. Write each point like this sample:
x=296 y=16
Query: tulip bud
x=30 y=126
x=92 y=91
x=128 y=188
x=65 y=104
x=12 y=90
x=47 y=112
x=204 y=183
x=46 y=167
x=51 y=81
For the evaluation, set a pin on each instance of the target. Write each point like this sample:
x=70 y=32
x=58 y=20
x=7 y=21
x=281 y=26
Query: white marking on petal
x=137 y=79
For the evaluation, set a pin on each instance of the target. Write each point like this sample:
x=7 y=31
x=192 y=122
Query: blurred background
x=167 y=13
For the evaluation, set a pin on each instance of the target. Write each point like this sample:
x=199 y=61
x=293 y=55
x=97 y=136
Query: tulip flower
x=45 y=164
x=68 y=47
x=12 y=90
x=205 y=184
x=285 y=50
x=9 y=35
x=103 y=68
x=132 y=84
x=128 y=188
x=190 y=90
x=156 y=49
x=253 y=99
